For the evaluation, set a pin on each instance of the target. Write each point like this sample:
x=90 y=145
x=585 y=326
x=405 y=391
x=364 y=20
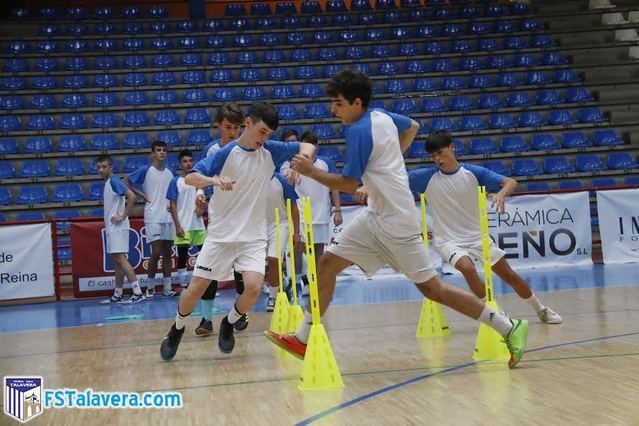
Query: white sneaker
x=170 y=293
x=149 y=293
x=265 y=288
x=549 y=316
x=306 y=290
x=133 y=299
x=270 y=304
x=112 y=299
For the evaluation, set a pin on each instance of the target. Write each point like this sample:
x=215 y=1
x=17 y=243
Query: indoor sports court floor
x=585 y=371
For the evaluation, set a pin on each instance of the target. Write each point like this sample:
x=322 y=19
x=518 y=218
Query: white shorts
x=159 y=231
x=271 y=245
x=452 y=251
x=363 y=242
x=321 y=233
x=216 y=260
x=117 y=241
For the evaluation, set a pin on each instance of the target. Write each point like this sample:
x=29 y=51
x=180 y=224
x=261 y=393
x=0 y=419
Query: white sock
x=535 y=303
x=183 y=277
x=304 y=329
x=167 y=284
x=234 y=315
x=136 y=287
x=117 y=292
x=273 y=291
x=180 y=320
x=495 y=320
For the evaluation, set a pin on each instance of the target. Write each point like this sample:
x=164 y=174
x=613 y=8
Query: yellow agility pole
x=295 y=314
x=279 y=320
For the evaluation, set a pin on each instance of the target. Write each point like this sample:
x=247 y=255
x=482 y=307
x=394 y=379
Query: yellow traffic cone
x=320 y=370
x=490 y=344
x=295 y=318
x=432 y=321
x=279 y=320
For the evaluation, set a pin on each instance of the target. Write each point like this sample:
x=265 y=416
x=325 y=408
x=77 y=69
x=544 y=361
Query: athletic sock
x=180 y=320
x=207 y=308
x=304 y=329
x=117 y=292
x=234 y=315
x=535 y=303
x=273 y=291
x=495 y=320
x=136 y=287
x=167 y=284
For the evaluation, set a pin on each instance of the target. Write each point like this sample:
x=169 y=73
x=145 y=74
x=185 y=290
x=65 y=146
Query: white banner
x=544 y=230
x=26 y=261
x=619 y=225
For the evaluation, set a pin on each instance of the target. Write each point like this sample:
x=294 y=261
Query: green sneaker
x=516 y=341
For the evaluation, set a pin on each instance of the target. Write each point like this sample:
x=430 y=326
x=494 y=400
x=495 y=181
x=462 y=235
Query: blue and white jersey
x=279 y=191
x=319 y=193
x=453 y=199
x=154 y=183
x=212 y=147
x=373 y=155
x=240 y=214
x=184 y=196
x=114 y=203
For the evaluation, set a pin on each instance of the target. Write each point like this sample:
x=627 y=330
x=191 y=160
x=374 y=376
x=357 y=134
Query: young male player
x=116 y=229
x=154 y=180
x=236 y=237
x=451 y=191
x=388 y=231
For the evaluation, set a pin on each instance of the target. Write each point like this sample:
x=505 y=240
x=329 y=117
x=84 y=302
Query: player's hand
x=302 y=164
x=499 y=203
x=225 y=183
x=361 y=195
x=118 y=218
x=179 y=231
x=200 y=203
x=292 y=177
x=298 y=243
x=337 y=218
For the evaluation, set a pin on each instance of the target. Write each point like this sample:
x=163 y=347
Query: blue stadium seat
x=164 y=78
x=137 y=140
x=104 y=45
x=395 y=86
x=591 y=115
x=260 y=9
x=401 y=33
x=453 y=83
x=161 y=43
x=607 y=137
x=38 y=144
x=408 y=49
x=487 y=44
x=105 y=63
x=530 y=119
x=513 y=144
x=8 y=146
x=589 y=163
x=557 y=165
x=293 y=21
x=354 y=52
x=165 y=97
x=171 y=138
x=543 y=142
x=243 y=40
x=472 y=123
x=330 y=152
x=518 y=99
x=381 y=51
x=574 y=140
x=621 y=161
x=44 y=83
x=48 y=30
x=341 y=20
x=17 y=47
x=76 y=13
x=277 y=74
x=133 y=44
x=631 y=180
x=273 y=56
x=104 y=120
x=570 y=184
x=133 y=163
x=331 y=69
x=553 y=58
x=372 y=34
x=46 y=64
x=388 y=68
x=134 y=79
x=548 y=97
x=471 y=64
x=197 y=116
x=195 y=95
x=135 y=98
x=316 y=110
x=157 y=11
x=29 y=216
x=33 y=194
x=193 y=77
x=507 y=79
x=282 y=91
x=252 y=93
x=9 y=123
x=479 y=81
x=603 y=182
x=363 y=67
x=441 y=123
x=166 y=117
x=93 y=166
x=219 y=58
x=71 y=143
x=16 y=65
x=525 y=167
x=69 y=167
x=323 y=131
x=40 y=122
x=48 y=13
x=77 y=46
x=105 y=81
x=310 y=7
x=489 y=101
x=269 y=39
x=162 y=61
x=515 y=42
x=327 y=54
x=318 y=21
x=499 y=61
x=106 y=99
x=578 y=95
x=461 y=103
x=311 y=90
x=5 y=197
x=461 y=46
x=501 y=121
x=7 y=170
x=537 y=186
x=453 y=30
x=460 y=148
x=213 y=25
x=224 y=94
x=65 y=214
x=416 y=150
x=287 y=112
x=239 y=24
x=135 y=119
x=77 y=29
x=104 y=142
x=537 y=77
x=250 y=74
x=68 y=192
x=104 y=28
x=442 y=65
x=560 y=117
x=496 y=166
x=246 y=57
x=134 y=61
x=189 y=42
x=75 y=82
x=45 y=46
x=566 y=76
x=403 y=106
x=132 y=28
x=482 y=146
x=73 y=121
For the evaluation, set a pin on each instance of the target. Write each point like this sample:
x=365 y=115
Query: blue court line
x=390 y=388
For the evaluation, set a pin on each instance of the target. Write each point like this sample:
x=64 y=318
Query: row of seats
x=578 y=184
x=277 y=57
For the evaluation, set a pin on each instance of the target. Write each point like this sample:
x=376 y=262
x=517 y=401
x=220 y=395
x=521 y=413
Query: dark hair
x=438 y=140
x=351 y=85
x=309 y=137
x=157 y=144
x=231 y=111
x=104 y=159
x=263 y=111
x=184 y=153
x=288 y=133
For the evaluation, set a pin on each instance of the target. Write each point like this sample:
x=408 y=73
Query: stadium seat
x=224 y=94
x=578 y=95
x=282 y=91
x=591 y=115
x=570 y=184
x=171 y=138
x=541 y=41
x=621 y=161
x=553 y=58
x=331 y=69
x=287 y=112
x=515 y=43
x=548 y=97
x=487 y=44
x=16 y=65
x=76 y=63
x=250 y=74
x=433 y=104
x=135 y=119
x=530 y=119
x=498 y=62
x=104 y=142
x=566 y=76
x=166 y=117
x=5 y=196
x=482 y=146
x=7 y=170
x=404 y=106
x=69 y=167
x=574 y=140
x=330 y=152
x=560 y=117
x=543 y=142
x=603 y=182
x=29 y=216
x=496 y=166
x=388 y=68
x=40 y=122
x=525 y=167
x=65 y=214
x=507 y=79
x=162 y=61
x=165 y=97
x=453 y=83
x=93 y=166
x=460 y=148
x=73 y=121
x=75 y=82
x=518 y=99
x=461 y=103
x=133 y=163
x=471 y=123
x=161 y=43
x=557 y=165
x=105 y=81
x=631 y=180
x=193 y=77
x=381 y=51
x=513 y=144
x=9 y=123
x=133 y=62
x=33 y=194
x=537 y=186
x=490 y=101
x=8 y=146
x=251 y=93
x=135 y=99
x=316 y=110
x=441 y=123
x=38 y=145
x=537 y=77
x=442 y=65
x=501 y=121
x=589 y=163
x=66 y=193
x=323 y=131
x=435 y=48
x=104 y=120
x=277 y=74
x=105 y=63
x=137 y=140
x=46 y=64
x=607 y=137
x=363 y=67
x=246 y=58
x=71 y=143
x=96 y=191
x=195 y=95
x=75 y=100
x=197 y=116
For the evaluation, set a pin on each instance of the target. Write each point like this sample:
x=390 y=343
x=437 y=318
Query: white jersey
x=114 y=203
x=154 y=184
x=240 y=215
x=279 y=191
x=453 y=200
x=185 y=195
x=319 y=193
x=373 y=155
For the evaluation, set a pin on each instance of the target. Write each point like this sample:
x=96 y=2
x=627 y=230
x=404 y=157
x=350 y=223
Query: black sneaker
x=242 y=323
x=171 y=342
x=226 y=340
x=205 y=328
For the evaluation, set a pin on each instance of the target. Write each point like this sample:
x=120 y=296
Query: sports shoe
x=150 y=292
x=112 y=299
x=549 y=316
x=242 y=323
x=270 y=304
x=170 y=293
x=171 y=342
x=135 y=298
x=205 y=328
x=266 y=288
x=288 y=342
x=306 y=290
x=226 y=340
x=516 y=341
